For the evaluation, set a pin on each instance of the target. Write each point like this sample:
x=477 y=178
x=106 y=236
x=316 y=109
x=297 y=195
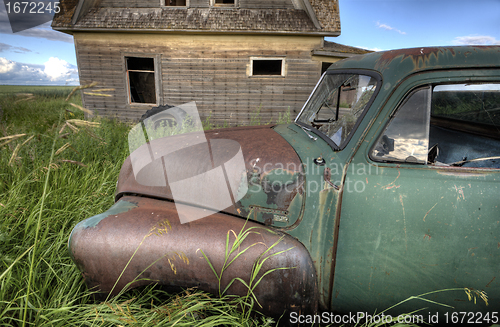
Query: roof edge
x=70 y=30
x=334 y=54
x=312 y=15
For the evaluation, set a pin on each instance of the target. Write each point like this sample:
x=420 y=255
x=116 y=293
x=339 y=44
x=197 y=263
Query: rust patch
x=327 y=174
x=155 y=247
x=255 y=143
x=417 y=55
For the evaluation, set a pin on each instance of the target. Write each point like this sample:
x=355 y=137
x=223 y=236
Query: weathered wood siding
x=199 y=3
x=261 y=4
x=130 y=4
x=254 y=4
x=211 y=70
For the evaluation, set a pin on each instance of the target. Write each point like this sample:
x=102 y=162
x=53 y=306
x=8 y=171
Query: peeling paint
x=391 y=184
x=429 y=211
x=117 y=208
x=404 y=219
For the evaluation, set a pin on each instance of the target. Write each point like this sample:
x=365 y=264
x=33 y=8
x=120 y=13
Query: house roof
x=332 y=49
x=306 y=18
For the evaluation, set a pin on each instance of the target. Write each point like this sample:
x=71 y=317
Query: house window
x=141 y=79
x=224 y=3
x=325 y=66
x=175 y=3
x=267 y=67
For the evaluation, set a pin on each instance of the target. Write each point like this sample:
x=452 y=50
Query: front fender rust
x=147 y=244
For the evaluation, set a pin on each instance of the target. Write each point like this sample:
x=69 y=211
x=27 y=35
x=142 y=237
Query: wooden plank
x=129 y=4
x=199 y=3
x=260 y=4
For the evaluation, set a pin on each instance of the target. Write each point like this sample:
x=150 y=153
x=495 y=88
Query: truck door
x=422 y=211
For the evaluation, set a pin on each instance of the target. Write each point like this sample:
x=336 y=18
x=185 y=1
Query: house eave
x=334 y=54
x=72 y=30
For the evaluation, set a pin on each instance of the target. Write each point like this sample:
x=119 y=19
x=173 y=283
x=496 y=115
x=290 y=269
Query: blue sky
x=392 y=24
x=41 y=56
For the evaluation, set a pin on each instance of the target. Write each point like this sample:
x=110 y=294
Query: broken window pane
x=141 y=79
x=337 y=104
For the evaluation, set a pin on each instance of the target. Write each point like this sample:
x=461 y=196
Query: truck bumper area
x=147 y=232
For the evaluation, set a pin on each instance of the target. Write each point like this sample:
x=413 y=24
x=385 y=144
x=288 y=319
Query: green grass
x=42 y=199
x=10 y=90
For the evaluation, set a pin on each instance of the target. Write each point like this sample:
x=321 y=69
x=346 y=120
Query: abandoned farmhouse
x=232 y=57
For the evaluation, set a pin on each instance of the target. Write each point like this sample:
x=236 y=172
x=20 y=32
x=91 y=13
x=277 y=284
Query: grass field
x=56 y=170
x=55 y=91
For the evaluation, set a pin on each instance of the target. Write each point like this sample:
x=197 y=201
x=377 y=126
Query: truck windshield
x=336 y=104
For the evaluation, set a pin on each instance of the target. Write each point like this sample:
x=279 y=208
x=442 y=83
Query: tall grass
x=39 y=284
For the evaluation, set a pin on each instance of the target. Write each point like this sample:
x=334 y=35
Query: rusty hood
x=246 y=171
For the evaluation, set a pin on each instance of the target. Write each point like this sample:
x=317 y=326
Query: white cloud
x=8 y=47
x=54 y=72
x=6 y=66
x=389 y=28
x=57 y=69
x=372 y=49
x=476 y=40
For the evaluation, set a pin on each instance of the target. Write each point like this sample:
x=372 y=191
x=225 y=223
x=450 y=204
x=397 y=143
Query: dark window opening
x=267 y=67
x=175 y=3
x=141 y=79
x=324 y=67
x=224 y=2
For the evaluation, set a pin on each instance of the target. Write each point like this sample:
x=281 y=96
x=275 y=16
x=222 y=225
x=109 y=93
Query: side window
x=445 y=125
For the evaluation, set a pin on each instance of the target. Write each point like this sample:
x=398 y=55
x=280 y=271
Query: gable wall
x=251 y=4
x=129 y=4
x=261 y=4
x=211 y=70
x=199 y=3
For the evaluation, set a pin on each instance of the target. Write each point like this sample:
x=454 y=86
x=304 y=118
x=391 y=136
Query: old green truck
x=386 y=186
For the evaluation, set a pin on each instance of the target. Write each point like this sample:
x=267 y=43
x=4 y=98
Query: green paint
x=119 y=207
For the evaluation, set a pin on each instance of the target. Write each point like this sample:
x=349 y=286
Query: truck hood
x=246 y=171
